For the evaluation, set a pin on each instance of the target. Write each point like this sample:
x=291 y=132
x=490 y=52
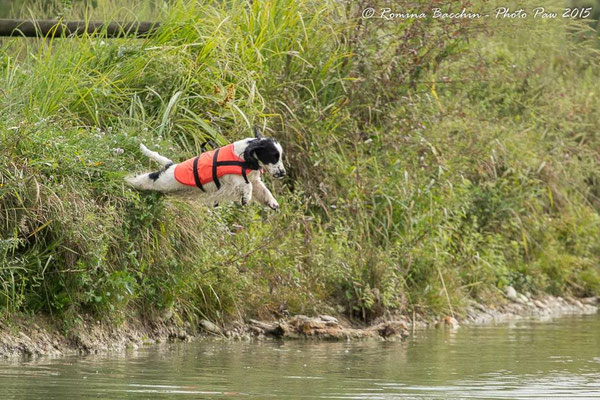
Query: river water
x=526 y=359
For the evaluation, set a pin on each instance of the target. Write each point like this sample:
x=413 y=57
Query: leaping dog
x=229 y=173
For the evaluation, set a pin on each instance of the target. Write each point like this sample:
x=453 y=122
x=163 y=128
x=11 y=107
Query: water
x=555 y=359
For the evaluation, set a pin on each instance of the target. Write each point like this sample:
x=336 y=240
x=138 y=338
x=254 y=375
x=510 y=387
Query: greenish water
x=552 y=359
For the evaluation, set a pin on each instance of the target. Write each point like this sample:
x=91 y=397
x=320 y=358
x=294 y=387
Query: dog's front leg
x=246 y=193
x=264 y=195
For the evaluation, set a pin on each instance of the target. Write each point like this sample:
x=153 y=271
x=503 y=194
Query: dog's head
x=266 y=153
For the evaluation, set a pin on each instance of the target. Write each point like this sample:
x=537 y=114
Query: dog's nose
x=280 y=173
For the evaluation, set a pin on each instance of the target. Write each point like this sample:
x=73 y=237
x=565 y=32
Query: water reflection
x=560 y=358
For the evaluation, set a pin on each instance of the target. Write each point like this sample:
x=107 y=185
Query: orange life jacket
x=210 y=166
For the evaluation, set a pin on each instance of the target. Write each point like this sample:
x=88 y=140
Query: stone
x=265 y=326
x=306 y=326
x=591 y=300
x=539 y=304
x=392 y=328
x=451 y=322
x=210 y=327
x=328 y=319
x=511 y=293
x=521 y=298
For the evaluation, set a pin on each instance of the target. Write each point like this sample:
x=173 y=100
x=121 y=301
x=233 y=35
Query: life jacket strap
x=244 y=174
x=214 y=169
x=242 y=164
x=196 y=177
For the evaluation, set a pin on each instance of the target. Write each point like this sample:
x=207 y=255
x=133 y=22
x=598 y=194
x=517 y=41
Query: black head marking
x=263 y=150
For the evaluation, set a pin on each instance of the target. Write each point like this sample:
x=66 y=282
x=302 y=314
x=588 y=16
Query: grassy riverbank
x=430 y=161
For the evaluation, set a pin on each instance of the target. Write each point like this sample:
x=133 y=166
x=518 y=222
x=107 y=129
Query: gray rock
x=392 y=328
x=591 y=300
x=521 y=298
x=328 y=318
x=511 y=293
x=539 y=304
x=265 y=326
x=210 y=327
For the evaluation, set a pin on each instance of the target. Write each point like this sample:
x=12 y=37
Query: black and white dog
x=227 y=174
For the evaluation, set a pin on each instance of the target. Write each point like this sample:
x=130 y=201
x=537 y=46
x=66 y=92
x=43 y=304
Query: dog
x=229 y=173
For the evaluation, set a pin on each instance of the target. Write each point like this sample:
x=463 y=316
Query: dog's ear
x=255 y=147
x=250 y=153
x=257 y=133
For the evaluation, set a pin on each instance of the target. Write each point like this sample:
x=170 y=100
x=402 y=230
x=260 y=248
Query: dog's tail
x=164 y=161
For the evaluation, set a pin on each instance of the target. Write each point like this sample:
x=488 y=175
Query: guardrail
x=54 y=28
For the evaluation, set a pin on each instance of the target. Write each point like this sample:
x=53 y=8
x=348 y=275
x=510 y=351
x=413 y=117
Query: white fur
x=233 y=187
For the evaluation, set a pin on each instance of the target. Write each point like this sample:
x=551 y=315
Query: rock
x=539 y=304
x=472 y=313
x=451 y=322
x=280 y=330
x=265 y=326
x=591 y=300
x=182 y=334
x=210 y=327
x=511 y=293
x=328 y=319
x=24 y=337
x=301 y=326
x=232 y=334
x=307 y=326
x=392 y=328
x=521 y=298
x=276 y=329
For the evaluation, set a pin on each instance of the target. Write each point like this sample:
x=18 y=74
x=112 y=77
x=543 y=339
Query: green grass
x=430 y=162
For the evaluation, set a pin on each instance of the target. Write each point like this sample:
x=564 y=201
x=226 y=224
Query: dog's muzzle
x=279 y=174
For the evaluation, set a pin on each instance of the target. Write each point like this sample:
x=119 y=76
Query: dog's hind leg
x=164 y=161
x=140 y=182
x=162 y=180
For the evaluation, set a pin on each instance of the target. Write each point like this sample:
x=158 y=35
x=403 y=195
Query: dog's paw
x=274 y=205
